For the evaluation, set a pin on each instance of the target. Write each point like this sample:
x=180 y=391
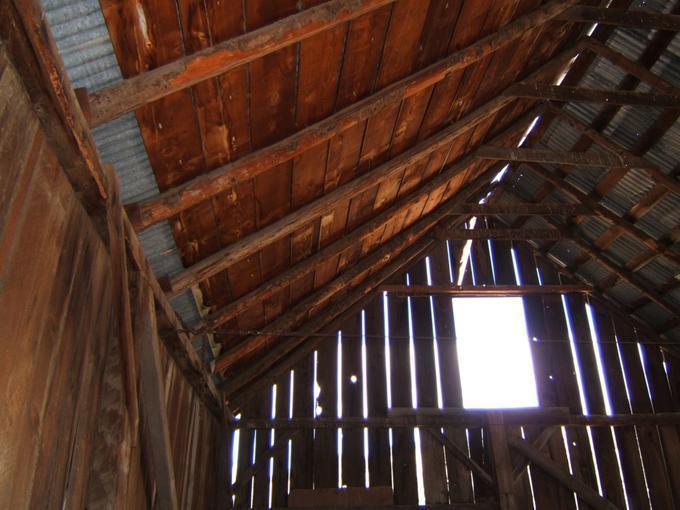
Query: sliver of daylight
x=496 y=368
x=605 y=394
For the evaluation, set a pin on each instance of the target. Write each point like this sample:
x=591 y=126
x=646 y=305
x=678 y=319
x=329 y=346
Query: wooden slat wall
x=63 y=421
x=55 y=316
x=646 y=455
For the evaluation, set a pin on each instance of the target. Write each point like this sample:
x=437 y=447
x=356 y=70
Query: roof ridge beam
x=174 y=200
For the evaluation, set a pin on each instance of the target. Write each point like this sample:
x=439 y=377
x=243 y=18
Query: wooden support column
x=622 y=17
x=588 y=495
x=121 y=293
x=566 y=94
x=500 y=456
x=153 y=398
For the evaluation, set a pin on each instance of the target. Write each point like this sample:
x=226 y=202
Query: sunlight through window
x=496 y=368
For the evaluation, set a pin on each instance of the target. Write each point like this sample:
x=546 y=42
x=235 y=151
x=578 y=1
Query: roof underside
x=189 y=133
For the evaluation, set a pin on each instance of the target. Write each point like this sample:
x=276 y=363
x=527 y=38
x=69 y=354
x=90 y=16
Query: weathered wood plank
x=200 y=188
x=568 y=94
x=153 y=397
x=130 y=94
x=622 y=17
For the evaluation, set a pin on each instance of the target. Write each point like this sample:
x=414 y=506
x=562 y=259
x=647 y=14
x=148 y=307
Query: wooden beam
x=292 y=350
x=151 y=377
x=286 y=322
x=568 y=94
x=461 y=456
x=600 y=257
x=120 y=289
x=670 y=181
x=252 y=243
x=605 y=213
x=595 y=159
x=24 y=30
x=480 y=291
x=588 y=495
x=522 y=209
x=631 y=67
x=622 y=17
x=175 y=339
x=194 y=191
x=446 y=417
x=502 y=462
x=130 y=94
x=306 y=266
x=539 y=443
x=343 y=301
x=502 y=233
x=482 y=504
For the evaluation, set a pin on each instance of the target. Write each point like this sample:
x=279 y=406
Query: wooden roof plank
x=198 y=189
x=130 y=94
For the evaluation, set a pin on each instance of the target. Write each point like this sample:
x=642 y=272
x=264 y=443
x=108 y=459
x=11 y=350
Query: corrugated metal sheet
x=626 y=128
x=85 y=46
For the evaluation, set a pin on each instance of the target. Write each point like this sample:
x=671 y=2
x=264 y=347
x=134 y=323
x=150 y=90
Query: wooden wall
x=621 y=463
x=62 y=426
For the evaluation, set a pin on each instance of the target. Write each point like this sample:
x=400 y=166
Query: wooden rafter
x=341 y=302
x=597 y=291
x=628 y=276
x=621 y=17
x=250 y=244
x=595 y=159
x=565 y=94
x=130 y=94
x=179 y=198
x=630 y=66
x=306 y=266
x=605 y=300
x=34 y=54
x=605 y=213
x=310 y=305
x=650 y=168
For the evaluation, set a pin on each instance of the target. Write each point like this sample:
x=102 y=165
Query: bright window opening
x=496 y=368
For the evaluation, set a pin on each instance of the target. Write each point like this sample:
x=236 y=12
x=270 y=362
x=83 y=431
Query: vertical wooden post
x=153 y=398
x=500 y=454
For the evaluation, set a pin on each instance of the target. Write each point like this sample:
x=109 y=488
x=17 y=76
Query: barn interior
x=345 y=253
